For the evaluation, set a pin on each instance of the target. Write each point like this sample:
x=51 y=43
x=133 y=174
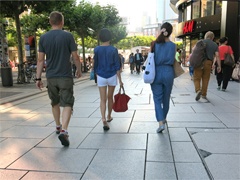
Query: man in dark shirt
x=138 y=60
x=58 y=46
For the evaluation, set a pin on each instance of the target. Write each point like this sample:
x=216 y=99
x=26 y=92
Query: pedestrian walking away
x=138 y=60
x=131 y=62
x=191 y=69
x=225 y=74
x=202 y=73
x=164 y=56
x=58 y=46
x=178 y=56
x=107 y=68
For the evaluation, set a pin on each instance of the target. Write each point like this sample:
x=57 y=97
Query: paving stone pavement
x=202 y=140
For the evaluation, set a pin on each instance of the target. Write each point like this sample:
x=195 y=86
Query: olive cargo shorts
x=60 y=90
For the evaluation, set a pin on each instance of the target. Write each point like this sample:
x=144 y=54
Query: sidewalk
x=20 y=91
x=202 y=140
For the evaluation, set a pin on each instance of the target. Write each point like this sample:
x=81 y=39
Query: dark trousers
x=224 y=76
x=138 y=66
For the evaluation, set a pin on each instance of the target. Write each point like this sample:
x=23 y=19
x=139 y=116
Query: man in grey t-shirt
x=58 y=46
x=202 y=74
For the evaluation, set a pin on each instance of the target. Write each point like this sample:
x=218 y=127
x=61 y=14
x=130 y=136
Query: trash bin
x=6 y=76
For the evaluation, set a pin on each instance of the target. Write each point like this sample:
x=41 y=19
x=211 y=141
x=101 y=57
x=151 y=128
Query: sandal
x=109 y=120
x=105 y=126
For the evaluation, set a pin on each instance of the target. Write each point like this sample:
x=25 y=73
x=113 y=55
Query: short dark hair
x=105 y=35
x=223 y=39
x=55 y=18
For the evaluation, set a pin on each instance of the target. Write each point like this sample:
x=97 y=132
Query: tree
x=118 y=32
x=107 y=17
x=133 y=41
x=77 y=19
x=98 y=18
x=13 y=9
x=11 y=33
x=32 y=22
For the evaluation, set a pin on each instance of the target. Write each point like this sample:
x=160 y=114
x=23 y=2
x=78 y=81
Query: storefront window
x=218 y=7
x=196 y=9
x=187 y=46
x=189 y=13
x=207 y=8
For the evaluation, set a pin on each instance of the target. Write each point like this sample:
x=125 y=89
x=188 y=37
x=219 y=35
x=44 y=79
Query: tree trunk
x=36 y=53
x=21 y=75
x=83 y=51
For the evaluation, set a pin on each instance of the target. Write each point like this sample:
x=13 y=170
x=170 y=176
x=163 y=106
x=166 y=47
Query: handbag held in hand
x=121 y=101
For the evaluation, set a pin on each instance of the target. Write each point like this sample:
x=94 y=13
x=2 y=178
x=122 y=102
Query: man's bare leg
x=56 y=114
x=66 y=115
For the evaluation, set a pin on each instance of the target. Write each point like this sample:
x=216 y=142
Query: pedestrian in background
x=225 y=74
x=202 y=73
x=58 y=45
x=107 y=67
x=138 y=60
x=122 y=61
x=178 y=56
x=164 y=56
x=74 y=67
x=131 y=62
x=191 y=69
x=183 y=57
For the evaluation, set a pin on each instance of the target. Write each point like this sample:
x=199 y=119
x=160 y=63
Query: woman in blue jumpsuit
x=164 y=56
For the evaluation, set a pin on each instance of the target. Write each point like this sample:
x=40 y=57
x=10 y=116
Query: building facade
x=196 y=17
x=164 y=11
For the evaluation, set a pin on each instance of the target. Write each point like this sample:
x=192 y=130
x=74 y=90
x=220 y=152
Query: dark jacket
x=140 y=56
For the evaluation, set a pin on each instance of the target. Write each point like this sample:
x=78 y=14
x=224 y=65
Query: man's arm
x=76 y=60
x=218 y=61
x=40 y=64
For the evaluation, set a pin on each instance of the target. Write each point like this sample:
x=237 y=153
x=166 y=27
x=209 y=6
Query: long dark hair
x=166 y=31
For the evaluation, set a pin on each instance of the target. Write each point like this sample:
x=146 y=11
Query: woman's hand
x=213 y=66
x=121 y=83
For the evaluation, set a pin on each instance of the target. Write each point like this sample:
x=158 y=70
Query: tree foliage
x=13 y=9
x=134 y=41
x=85 y=19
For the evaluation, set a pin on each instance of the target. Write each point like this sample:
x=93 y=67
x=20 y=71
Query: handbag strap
x=228 y=51
x=121 y=88
x=152 y=46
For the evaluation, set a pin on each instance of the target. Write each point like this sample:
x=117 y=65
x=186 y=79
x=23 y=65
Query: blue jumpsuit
x=164 y=56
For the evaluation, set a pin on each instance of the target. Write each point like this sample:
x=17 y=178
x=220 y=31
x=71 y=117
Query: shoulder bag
x=178 y=70
x=236 y=72
x=149 y=67
x=228 y=60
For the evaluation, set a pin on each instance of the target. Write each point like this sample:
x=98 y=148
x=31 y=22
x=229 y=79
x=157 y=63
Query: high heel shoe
x=105 y=126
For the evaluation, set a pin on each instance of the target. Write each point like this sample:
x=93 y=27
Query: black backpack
x=198 y=54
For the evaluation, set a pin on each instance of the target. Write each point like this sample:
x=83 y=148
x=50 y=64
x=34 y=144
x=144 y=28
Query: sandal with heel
x=105 y=126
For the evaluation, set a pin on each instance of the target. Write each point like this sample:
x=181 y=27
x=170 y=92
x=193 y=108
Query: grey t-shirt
x=211 y=48
x=58 y=46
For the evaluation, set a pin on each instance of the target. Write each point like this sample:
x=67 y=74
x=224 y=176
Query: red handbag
x=121 y=101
